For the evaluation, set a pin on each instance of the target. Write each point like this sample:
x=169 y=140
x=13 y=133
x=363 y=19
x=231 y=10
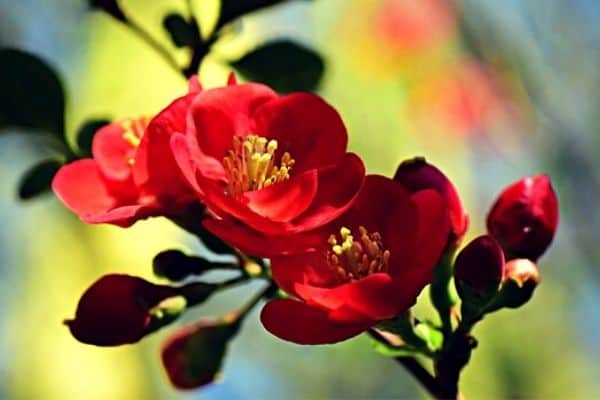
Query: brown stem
x=453 y=358
x=152 y=42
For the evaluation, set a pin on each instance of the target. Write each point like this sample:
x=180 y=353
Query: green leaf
x=181 y=31
x=395 y=351
x=433 y=338
x=110 y=7
x=37 y=179
x=284 y=65
x=32 y=94
x=85 y=135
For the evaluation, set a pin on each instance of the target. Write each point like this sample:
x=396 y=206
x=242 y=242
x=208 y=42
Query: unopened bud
x=416 y=174
x=193 y=356
x=478 y=270
x=175 y=265
x=117 y=309
x=524 y=218
x=521 y=277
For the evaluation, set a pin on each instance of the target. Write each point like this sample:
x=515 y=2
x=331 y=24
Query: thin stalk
x=152 y=42
x=413 y=366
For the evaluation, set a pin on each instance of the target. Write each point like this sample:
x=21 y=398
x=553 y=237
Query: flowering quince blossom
x=132 y=174
x=266 y=165
x=417 y=174
x=116 y=310
x=524 y=217
x=371 y=264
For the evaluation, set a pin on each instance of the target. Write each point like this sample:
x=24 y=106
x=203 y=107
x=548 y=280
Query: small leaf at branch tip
x=284 y=65
x=180 y=30
x=37 y=180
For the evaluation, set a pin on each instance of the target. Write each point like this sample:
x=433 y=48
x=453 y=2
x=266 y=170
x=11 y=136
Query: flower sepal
x=410 y=335
x=521 y=277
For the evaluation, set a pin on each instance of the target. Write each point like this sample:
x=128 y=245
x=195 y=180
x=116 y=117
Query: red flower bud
x=478 y=269
x=116 y=310
x=524 y=217
x=193 y=356
x=522 y=271
x=521 y=277
x=416 y=174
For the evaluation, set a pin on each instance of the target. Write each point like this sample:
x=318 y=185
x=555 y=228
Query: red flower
x=133 y=174
x=267 y=164
x=194 y=355
x=417 y=174
x=116 y=310
x=524 y=218
x=367 y=266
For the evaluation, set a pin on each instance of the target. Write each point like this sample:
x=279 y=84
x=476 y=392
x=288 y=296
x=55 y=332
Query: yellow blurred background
x=487 y=91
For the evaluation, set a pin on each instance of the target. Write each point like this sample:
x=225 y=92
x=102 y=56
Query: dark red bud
x=416 y=174
x=116 y=310
x=194 y=355
x=524 y=218
x=478 y=269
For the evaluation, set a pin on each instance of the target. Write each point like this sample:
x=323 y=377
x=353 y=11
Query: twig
x=413 y=366
x=146 y=37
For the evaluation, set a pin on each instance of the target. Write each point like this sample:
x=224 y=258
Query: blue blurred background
x=489 y=91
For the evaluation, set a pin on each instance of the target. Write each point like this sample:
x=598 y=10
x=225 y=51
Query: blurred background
x=488 y=91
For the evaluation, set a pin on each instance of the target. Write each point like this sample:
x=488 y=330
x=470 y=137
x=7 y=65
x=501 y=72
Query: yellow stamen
x=355 y=259
x=250 y=164
x=133 y=131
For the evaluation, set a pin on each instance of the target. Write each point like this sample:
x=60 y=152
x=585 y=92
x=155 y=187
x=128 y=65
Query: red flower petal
x=431 y=237
x=225 y=206
x=338 y=187
x=82 y=189
x=285 y=200
x=219 y=114
x=123 y=216
x=182 y=155
x=155 y=166
x=112 y=152
x=416 y=174
x=308 y=268
x=305 y=126
x=300 y=323
x=257 y=244
x=373 y=296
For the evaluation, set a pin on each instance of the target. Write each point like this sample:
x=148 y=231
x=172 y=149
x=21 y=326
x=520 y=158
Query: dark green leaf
x=85 y=135
x=37 y=179
x=32 y=94
x=284 y=65
x=181 y=31
x=110 y=7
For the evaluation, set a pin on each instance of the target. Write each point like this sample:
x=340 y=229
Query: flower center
x=354 y=259
x=250 y=164
x=133 y=131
